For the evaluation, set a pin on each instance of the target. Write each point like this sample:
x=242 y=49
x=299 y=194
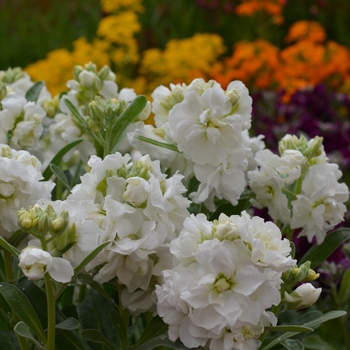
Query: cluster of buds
x=11 y=75
x=306 y=294
x=47 y=226
x=88 y=82
x=43 y=222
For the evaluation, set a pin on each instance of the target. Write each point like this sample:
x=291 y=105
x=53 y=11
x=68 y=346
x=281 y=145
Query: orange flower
x=306 y=30
x=249 y=7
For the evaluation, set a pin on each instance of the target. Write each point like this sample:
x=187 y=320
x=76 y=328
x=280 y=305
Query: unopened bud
x=76 y=71
x=28 y=219
x=3 y=91
x=302 y=297
x=59 y=225
x=51 y=106
x=314 y=148
x=233 y=96
x=104 y=73
x=44 y=224
x=6 y=152
x=145 y=113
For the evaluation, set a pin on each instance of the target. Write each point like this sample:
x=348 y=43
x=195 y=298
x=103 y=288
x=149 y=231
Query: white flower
x=302 y=297
x=267 y=185
x=21 y=120
x=164 y=100
x=20 y=185
x=35 y=262
x=203 y=127
x=241 y=102
x=291 y=164
x=319 y=207
x=253 y=145
x=137 y=191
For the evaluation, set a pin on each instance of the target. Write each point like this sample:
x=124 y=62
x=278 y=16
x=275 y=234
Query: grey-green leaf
x=319 y=253
x=154 y=328
x=292 y=344
x=22 y=330
x=159 y=144
x=328 y=316
x=289 y=328
x=7 y=246
x=126 y=118
x=33 y=93
x=162 y=340
x=119 y=327
x=68 y=324
x=56 y=160
x=60 y=175
x=314 y=342
x=22 y=308
x=344 y=292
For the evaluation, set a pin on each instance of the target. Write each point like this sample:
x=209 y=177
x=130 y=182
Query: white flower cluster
x=227 y=274
x=210 y=127
x=140 y=211
x=20 y=185
x=21 y=121
x=300 y=187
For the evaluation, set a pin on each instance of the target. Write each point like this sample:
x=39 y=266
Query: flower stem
x=124 y=313
x=50 y=313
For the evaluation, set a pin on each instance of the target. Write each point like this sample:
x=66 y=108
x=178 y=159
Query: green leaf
x=22 y=308
x=89 y=258
x=93 y=335
x=289 y=328
x=60 y=175
x=93 y=314
x=328 y=316
x=314 y=342
x=159 y=144
x=33 y=93
x=344 y=292
x=119 y=327
x=292 y=246
x=162 y=340
x=154 y=328
x=7 y=246
x=8 y=340
x=80 y=119
x=17 y=237
x=22 y=330
x=56 y=160
x=65 y=339
x=68 y=324
x=292 y=344
x=126 y=118
x=319 y=253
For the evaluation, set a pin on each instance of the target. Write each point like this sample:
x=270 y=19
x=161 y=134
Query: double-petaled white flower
x=20 y=185
x=35 y=262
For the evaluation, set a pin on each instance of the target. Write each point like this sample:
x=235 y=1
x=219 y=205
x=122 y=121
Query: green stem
x=290 y=234
x=58 y=189
x=298 y=186
x=124 y=313
x=81 y=295
x=290 y=193
x=8 y=266
x=51 y=313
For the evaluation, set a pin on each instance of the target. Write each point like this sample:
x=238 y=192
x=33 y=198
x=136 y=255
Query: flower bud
x=76 y=71
x=59 y=225
x=302 y=297
x=314 y=148
x=233 y=96
x=34 y=262
x=28 y=219
x=44 y=224
x=6 y=152
x=87 y=79
x=137 y=191
x=292 y=142
x=104 y=73
x=145 y=113
x=3 y=91
x=95 y=112
x=225 y=229
x=51 y=106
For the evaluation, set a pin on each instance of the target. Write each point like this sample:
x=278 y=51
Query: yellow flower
x=110 y=6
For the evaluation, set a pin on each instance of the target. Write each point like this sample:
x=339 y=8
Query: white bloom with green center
x=21 y=120
x=320 y=206
x=265 y=242
x=35 y=262
x=164 y=100
x=203 y=127
x=20 y=186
